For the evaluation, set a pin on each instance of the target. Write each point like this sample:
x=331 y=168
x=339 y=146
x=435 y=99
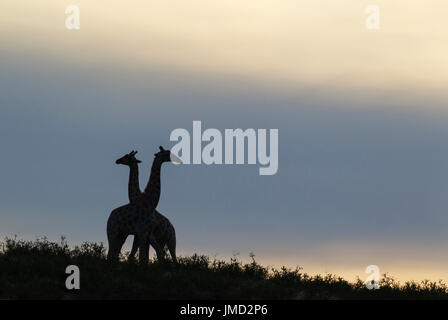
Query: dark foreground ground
x=36 y=270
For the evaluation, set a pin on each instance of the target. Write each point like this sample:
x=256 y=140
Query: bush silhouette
x=36 y=270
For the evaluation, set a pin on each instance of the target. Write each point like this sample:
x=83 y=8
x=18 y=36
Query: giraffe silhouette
x=138 y=218
x=164 y=231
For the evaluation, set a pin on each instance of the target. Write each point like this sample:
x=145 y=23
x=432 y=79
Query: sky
x=361 y=114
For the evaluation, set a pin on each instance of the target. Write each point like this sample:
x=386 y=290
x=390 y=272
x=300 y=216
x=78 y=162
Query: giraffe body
x=135 y=219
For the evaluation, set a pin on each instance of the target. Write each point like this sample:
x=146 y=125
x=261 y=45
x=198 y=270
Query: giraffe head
x=128 y=159
x=166 y=156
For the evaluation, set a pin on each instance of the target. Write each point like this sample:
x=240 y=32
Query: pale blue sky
x=363 y=176
x=362 y=173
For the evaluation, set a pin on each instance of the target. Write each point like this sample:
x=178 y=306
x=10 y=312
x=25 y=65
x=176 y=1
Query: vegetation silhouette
x=36 y=270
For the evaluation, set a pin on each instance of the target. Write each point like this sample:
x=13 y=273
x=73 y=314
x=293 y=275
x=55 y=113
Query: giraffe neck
x=133 y=185
x=152 y=190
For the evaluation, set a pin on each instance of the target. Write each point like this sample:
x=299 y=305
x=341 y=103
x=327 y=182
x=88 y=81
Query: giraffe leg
x=134 y=248
x=147 y=247
x=172 y=246
x=143 y=249
x=112 y=252
x=172 y=249
x=115 y=244
x=159 y=250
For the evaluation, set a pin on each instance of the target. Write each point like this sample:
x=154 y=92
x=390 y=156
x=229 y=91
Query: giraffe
x=137 y=218
x=164 y=231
